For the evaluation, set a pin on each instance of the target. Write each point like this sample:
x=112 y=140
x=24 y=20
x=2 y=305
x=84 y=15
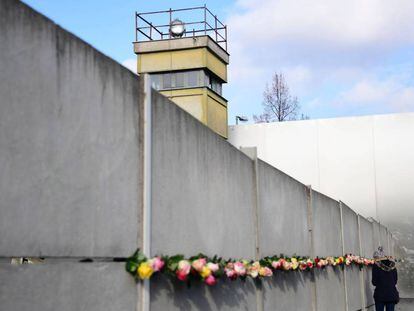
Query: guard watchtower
x=185 y=53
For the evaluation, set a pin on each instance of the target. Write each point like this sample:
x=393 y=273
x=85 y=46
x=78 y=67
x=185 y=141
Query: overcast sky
x=340 y=58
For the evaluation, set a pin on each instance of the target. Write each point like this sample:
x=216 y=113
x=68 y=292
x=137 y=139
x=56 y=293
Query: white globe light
x=177 y=28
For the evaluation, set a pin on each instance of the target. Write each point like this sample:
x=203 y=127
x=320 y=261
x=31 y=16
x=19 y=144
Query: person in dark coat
x=384 y=278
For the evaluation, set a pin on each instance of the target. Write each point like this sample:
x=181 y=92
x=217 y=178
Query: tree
x=278 y=104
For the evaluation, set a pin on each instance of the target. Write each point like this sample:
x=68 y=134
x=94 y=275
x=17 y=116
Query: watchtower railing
x=156 y=25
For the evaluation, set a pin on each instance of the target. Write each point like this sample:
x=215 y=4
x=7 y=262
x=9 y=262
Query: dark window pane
x=156 y=81
x=192 y=78
x=179 y=79
x=218 y=88
x=167 y=81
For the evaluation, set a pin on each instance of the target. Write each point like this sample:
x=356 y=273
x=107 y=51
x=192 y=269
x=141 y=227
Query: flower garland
x=209 y=270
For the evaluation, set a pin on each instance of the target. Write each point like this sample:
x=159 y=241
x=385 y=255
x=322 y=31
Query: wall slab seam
x=144 y=304
x=361 y=274
x=311 y=243
x=343 y=252
x=251 y=152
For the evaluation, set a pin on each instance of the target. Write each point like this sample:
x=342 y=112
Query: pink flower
x=181 y=275
x=277 y=264
x=239 y=268
x=210 y=280
x=213 y=266
x=184 y=266
x=156 y=264
x=287 y=265
x=265 y=271
x=231 y=274
x=199 y=264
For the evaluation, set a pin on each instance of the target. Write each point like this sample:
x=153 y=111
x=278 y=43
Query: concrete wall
x=71 y=130
x=66 y=286
x=203 y=199
x=351 y=244
x=283 y=228
x=367 y=162
x=68 y=143
x=206 y=195
x=367 y=247
x=69 y=168
x=327 y=239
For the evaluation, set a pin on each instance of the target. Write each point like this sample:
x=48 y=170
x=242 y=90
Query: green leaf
x=131 y=266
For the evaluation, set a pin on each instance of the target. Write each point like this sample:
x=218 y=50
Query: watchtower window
x=186 y=79
x=177 y=80
x=213 y=83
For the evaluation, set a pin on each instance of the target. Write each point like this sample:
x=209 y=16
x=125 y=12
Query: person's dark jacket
x=384 y=278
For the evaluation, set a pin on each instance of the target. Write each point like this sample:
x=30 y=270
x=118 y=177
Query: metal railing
x=207 y=24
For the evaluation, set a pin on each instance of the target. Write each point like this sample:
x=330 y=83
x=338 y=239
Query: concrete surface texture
x=327 y=239
x=351 y=245
x=67 y=286
x=405 y=305
x=192 y=214
x=366 y=162
x=71 y=133
x=68 y=143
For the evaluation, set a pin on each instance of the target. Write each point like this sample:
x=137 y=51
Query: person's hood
x=386 y=265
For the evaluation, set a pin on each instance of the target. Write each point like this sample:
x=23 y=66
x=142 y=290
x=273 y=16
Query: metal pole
x=150 y=31
x=169 y=30
x=205 y=19
x=136 y=27
x=215 y=22
x=225 y=35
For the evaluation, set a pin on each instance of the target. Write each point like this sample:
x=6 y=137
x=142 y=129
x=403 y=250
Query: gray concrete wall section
x=66 y=287
x=202 y=188
x=367 y=242
x=327 y=239
x=377 y=236
x=288 y=291
x=367 y=237
x=351 y=231
x=351 y=245
x=226 y=296
x=68 y=143
x=384 y=239
x=283 y=210
x=283 y=207
x=203 y=200
x=326 y=225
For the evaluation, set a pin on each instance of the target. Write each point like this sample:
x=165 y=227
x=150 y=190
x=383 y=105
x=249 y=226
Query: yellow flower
x=262 y=271
x=205 y=272
x=145 y=271
x=295 y=263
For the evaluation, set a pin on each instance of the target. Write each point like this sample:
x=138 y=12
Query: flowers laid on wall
x=210 y=270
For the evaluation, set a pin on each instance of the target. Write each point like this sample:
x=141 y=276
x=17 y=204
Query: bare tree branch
x=278 y=104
